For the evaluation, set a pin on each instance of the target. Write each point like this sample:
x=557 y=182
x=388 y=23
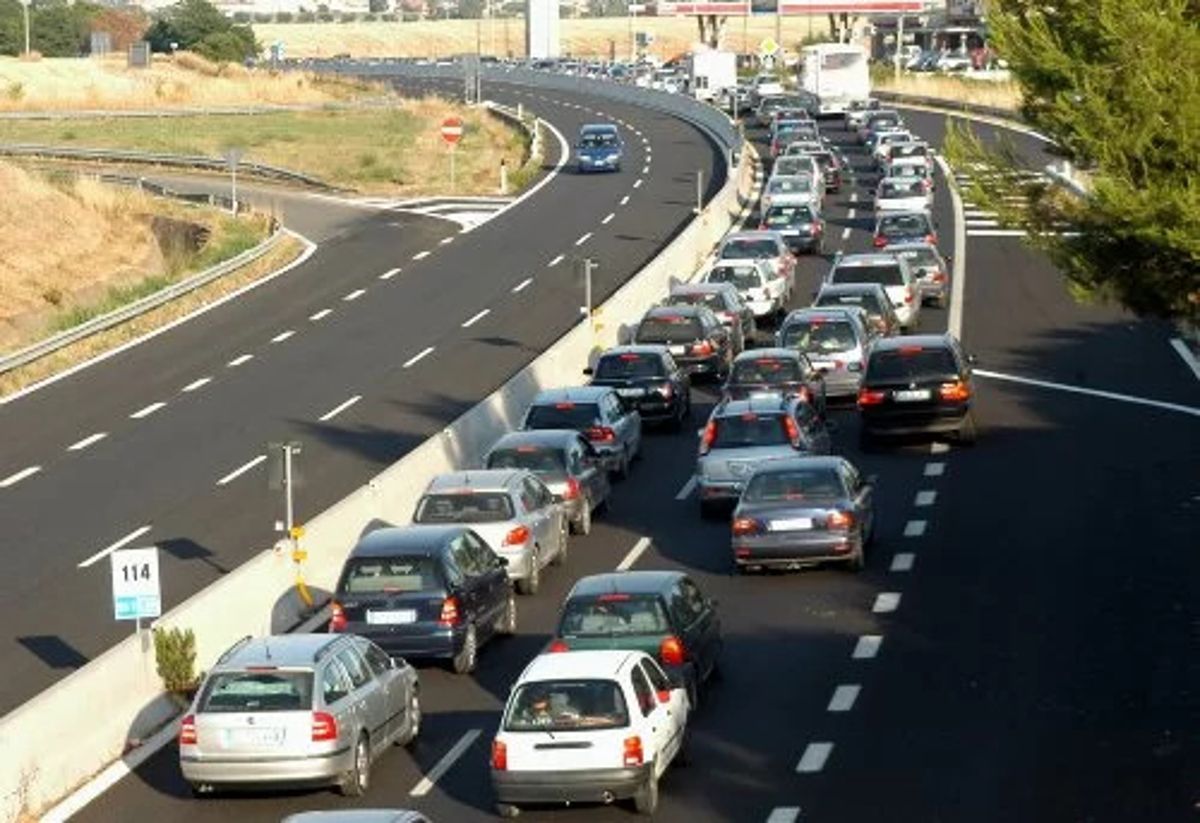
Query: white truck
x=710 y=73
x=836 y=73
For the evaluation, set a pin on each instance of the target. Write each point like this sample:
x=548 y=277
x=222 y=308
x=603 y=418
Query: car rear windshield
x=790 y=185
x=749 y=248
x=868 y=301
x=598 y=141
x=783 y=216
x=795 y=484
x=911 y=362
x=883 y=121
x=903 y=224
x=820 y=336
x=615 y=614
x=630 y=366
x=669 y=329
x=711 y=299
x=563 y=416
x=466 y=507
x=902 y=187
x=566 y=705
x=739 y=431
x=885 y=274
x=920 y=258
x=534 y=458
x=766 y=370
x=742 y=277
x=257 y=691
x=390 y=575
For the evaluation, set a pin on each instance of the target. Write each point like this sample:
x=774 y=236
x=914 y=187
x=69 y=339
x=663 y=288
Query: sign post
x=452 y=130
x=136 y=589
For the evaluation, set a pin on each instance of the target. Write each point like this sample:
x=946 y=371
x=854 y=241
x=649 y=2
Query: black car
x=648 y=379
x=693 y=335
x=425 y=592
x=787 y=371
x=872 y=298
x=801 y=226
x=661 y=613
x=915 y=385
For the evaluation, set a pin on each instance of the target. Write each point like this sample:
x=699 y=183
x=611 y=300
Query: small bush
x=175 y=659
x=306 y=17
x=15 y=91
x=284 y=17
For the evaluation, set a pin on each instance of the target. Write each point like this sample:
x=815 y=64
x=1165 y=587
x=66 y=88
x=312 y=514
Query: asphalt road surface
x=1021 y=647
x=360 y=353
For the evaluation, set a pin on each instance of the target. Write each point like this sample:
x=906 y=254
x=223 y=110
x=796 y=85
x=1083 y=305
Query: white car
x=588 y=727
x=909 y=167
x=902 y=194
x=788 y=164
x=764 y=292
x=884 y=143
x=793 y=190
x=762 y=245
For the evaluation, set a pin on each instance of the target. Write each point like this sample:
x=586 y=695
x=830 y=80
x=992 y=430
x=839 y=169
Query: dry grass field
x=1003 y=94
x=592 y=37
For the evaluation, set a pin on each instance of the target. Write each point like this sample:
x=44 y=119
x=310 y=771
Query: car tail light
x=870 y=397
x=518 y=536
x=817 y=228
x=671 y=651
x=337 y=618
x=956 y=392
x=666 y=390
x=633 y=751
x=664 y=696
x=743 y=526
x=499 y=756
x=450 y=615
x=324 y=727
x=601 y=434
x=931 y=239
x=558 y=646
x=187 y=731
x=703 y=348
x=839 y=520
x=709 y=436
x=791 y=429
x=908 y=295
x=743 y=553
x=939 y=276
x=880 y=241
x=573 y=490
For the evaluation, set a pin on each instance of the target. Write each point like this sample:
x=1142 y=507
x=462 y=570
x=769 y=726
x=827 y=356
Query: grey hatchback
x=598 y=413
x=298 y=709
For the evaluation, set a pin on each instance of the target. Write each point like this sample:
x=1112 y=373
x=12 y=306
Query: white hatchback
x=588 y=727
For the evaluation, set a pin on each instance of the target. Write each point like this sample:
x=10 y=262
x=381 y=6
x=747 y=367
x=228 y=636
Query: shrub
x=175 y=659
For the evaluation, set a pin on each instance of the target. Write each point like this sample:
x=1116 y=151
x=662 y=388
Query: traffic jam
x=759 y=377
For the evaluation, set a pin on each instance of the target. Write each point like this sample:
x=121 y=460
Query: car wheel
x=645 y=801
x=563 y=544
x=356 y=781
x=414 y=719
x=968 y=432
x=583 y=523
x=464 y=661
x=507 y=625
x=531 y=584
x=508 y=810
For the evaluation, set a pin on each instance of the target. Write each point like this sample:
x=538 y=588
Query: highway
x=1022 y=644
x=360 y=353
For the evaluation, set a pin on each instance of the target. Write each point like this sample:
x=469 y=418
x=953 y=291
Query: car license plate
x=822 y=364
x=631 y=392
x=793 y=524
x=392 y=618
x=678 y=349
x=912 y=395
x=254 y=737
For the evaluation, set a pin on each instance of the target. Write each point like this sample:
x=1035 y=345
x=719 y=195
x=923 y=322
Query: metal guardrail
x=107 y=321
x=185 y=161
x=532 y=126
x=194 y=111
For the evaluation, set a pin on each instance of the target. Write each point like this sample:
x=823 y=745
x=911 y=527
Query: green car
x=661 y=613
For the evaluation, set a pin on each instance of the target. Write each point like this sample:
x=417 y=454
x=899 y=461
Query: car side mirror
x=589 y=371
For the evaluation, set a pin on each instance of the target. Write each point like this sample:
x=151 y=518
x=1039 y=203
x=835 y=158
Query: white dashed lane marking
x=624 y=200
x=426 y=783
x=321 y=315
x=338 y=409
x=421 y=255
x=17 y=477
x=843 y=698
x=886 y=602
x=146 y=411
x=608 y=219
x=867 y=646
x=239 y=360
x=688 y=487
x=418 y=357
x=283 y=335
x=634 y=553
x=555 y=261
x=475 y=318
x=846 y=233
x=814 y=758
x=938 y=447
x=637 y=184
x=935 y=469
x=583 y=239
x=87 y=441
x=903 y=562
x=240 y=470
x=195 y=384
x=354 y=295
x=520 y=287
x=925 y=498
x=784 y=814
x=914 y=528
x=124 y=541
x=389 y=274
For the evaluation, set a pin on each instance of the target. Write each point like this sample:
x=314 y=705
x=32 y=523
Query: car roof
x=479 y=480
x=356 y=816
x=571 y=394
x=896 y=248
x=925 y=341
x=826 y=313
x=668 y=311
x=758 y=354
x=700 y=288
x=631 y=582
x=639 y=348
x=892 y=215
x=283 y=650
x=755 y=234
x=414 y=539
x=598 y=128
x=756 y=403
x=559 y=438
x=595 y=664
x=877 y=259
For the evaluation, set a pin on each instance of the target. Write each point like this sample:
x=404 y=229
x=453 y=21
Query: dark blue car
x=599 y=148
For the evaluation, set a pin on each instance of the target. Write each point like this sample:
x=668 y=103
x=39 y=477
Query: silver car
x=598 y=413
x=742 y=434
x=565 y=461
x=796 y=189
x=358 y=816
x=511 y=509
x=932 y=270
x=726 y=303
x=836 y=341
x=298 y=709
x=889 y=271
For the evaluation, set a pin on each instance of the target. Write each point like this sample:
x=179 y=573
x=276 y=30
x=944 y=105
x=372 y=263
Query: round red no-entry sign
x=452 y=129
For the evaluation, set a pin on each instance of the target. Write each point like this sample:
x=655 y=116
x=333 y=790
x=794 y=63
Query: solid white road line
x=354 y=295
x=784 y=814
x=520 y=287
x=958 y=281
x=239 y=360
x=634 y=553
x=903 y=562
x=914 y=528
x=555 y=261
x=637 y=184
x=982 y=224
x=624 y=200
x=389 y=274
x=418 y=357
x=1107 y=395
x=886 y=602
x=925 y=498
x=1181 y=348
x=853 y=197
x=14 y=479
x=867 y=646
x=283 y=335
x=322 y=314
x=583 y=239
x=608 y=219
x=935 y=469
x=341 y=407
x=240 y=470
x=426 y=783
x=87 y=441
x=147 y=411
x=475 y=318
x=646 y=169
x=195 y=384
x=846 y=233
x=814 y=757
x=844 y=697
x=124 y=541
x=688 y=487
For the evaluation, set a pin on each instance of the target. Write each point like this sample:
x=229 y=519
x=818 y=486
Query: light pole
x=25 y=11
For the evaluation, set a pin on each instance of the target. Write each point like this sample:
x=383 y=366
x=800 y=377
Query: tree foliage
x=197 y=25
x=56 y=29
x=1116 y=85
